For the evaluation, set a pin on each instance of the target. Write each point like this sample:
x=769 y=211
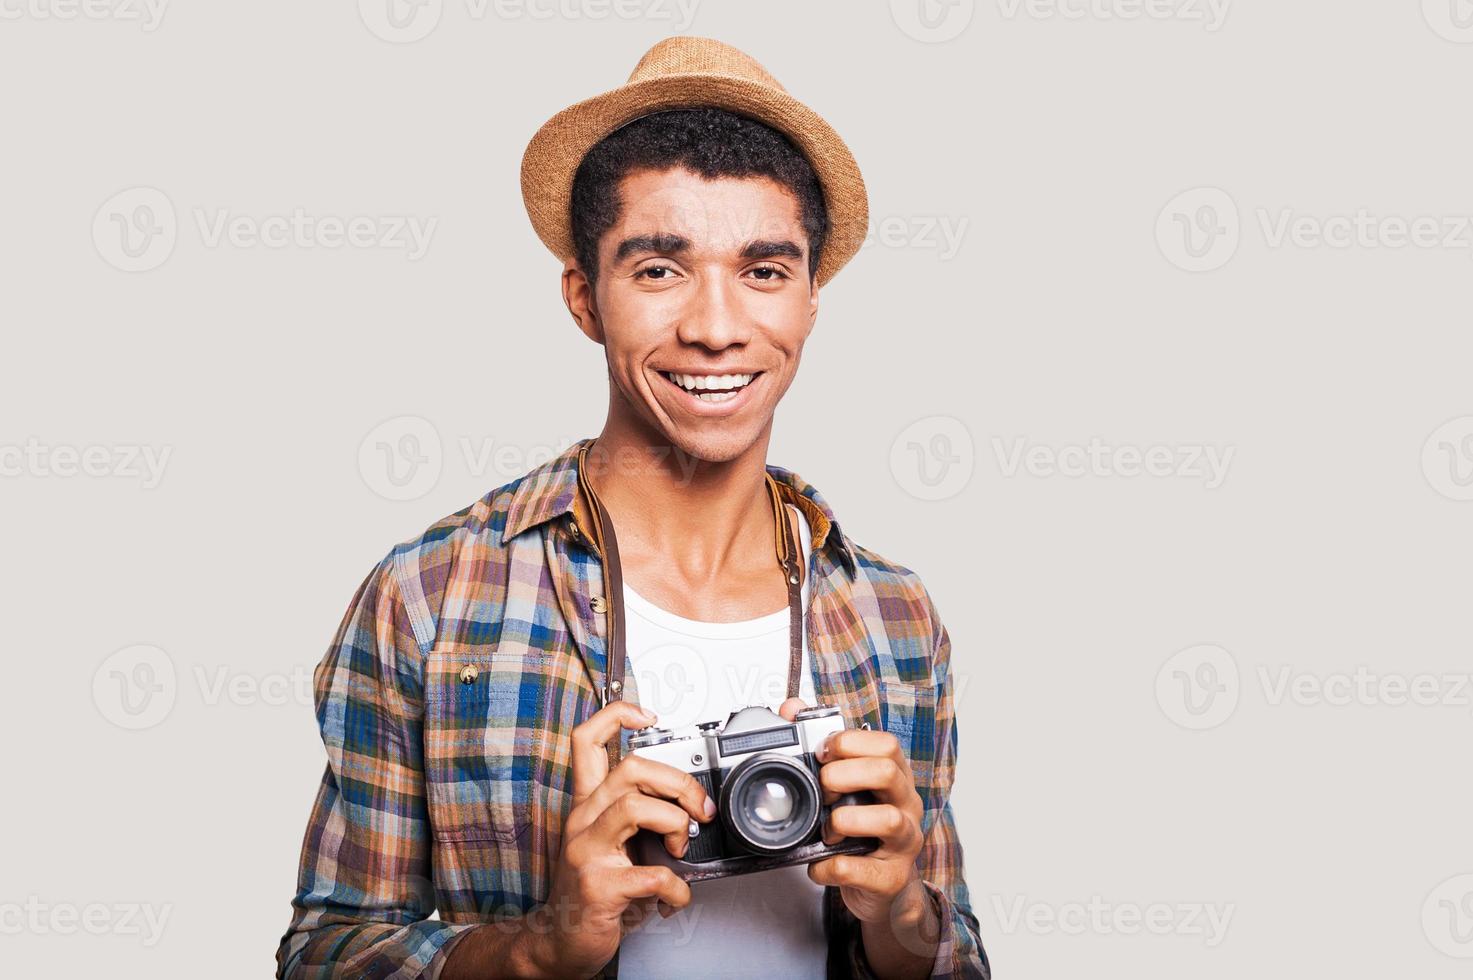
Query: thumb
x=789 y=709
x=590 y=761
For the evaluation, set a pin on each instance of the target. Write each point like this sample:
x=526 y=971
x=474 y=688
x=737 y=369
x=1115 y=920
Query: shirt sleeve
x=364 y=883
x=959 y=951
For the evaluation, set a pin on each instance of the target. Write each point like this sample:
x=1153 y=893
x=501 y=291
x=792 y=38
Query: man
x=470 y=704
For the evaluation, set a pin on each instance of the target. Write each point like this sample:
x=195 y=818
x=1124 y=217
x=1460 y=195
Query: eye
x=768 y=273
x=655 y=273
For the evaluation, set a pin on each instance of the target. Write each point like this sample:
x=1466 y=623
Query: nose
x=714 y=318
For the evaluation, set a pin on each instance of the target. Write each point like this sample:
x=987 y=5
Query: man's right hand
x=595 y=882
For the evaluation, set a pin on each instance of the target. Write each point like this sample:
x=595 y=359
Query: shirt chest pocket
x=483 y=737
x=908 y=711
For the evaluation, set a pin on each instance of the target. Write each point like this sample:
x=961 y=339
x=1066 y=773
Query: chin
x=712 y=447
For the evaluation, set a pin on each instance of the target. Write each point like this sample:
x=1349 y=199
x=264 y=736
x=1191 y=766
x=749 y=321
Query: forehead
x=722 y=213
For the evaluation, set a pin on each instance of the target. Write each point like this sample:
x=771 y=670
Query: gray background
x=1068 y=149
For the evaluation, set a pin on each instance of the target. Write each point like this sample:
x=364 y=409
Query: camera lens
x=770 y=803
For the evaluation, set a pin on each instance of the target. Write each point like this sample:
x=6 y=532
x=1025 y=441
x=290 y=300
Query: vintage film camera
x=762 y=774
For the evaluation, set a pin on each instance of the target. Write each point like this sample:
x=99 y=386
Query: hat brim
x=555 y=152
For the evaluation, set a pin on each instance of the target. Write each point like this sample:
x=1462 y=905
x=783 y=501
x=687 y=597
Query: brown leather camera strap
x=787 y=559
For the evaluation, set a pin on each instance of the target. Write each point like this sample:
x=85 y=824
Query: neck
x=696 y=514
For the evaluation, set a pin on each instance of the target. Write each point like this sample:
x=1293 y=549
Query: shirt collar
x=551 y=490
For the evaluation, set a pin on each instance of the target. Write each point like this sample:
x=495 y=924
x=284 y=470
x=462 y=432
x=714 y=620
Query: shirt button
x=573 y=528
x=469 y=673
x=599 y=604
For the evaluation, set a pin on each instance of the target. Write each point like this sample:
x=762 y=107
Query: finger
x=636 y=773
x=591 y=738
x=895 y=830
x=633 y=812
x=890 y=782
x=789 y=709
x=856 y=743
x=852 y=871
x=663 y=884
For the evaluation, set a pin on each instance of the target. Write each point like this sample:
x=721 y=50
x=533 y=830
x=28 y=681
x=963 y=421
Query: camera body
x=762 y=773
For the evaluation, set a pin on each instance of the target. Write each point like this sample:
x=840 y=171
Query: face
x=703 y=304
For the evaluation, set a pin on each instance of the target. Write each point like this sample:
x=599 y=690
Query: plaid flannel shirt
x=447 y=698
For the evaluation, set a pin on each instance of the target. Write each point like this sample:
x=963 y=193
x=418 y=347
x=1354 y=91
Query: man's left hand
x=854 y=760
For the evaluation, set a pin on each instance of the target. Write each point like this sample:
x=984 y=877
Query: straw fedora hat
x=684 y=72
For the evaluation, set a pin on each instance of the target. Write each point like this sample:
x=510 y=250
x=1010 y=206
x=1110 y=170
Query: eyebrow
x=669 y=244
x=763 y=249
x=660 y=242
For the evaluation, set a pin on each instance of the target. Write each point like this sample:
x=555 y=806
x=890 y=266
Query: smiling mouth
x=711 y=387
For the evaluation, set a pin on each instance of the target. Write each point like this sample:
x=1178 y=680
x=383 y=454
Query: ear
x=812 y=302
x=581 y=303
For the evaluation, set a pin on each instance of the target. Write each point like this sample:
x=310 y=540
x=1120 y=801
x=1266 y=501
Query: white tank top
x=765 y=924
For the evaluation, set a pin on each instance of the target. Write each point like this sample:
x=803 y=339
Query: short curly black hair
x=707 y=141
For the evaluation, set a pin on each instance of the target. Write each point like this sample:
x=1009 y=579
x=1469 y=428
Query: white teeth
x=711 y=382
